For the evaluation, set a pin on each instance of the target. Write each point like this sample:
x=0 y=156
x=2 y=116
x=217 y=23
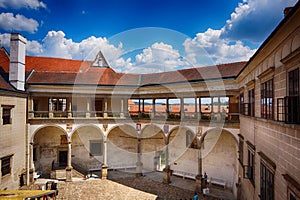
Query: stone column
x=69 y=163
x=50 y=108
x=31 y=108
x=197 y=110
x=105 y=115
x=70 y=108
x=167 y=109
x=104 y=165
x=199 y=177
x=122 y=108
x=167 y=170
x=153 y=109
x=88 y=114
x=139 y=164
x=31 y=164
x=181 y=108
x=139 y=110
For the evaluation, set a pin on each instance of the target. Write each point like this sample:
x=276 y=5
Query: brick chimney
x=17 y=61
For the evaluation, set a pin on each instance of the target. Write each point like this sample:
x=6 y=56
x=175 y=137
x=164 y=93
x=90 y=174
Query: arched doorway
x=50 y=149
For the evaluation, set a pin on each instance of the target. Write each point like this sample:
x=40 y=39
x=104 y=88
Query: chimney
x=287 y=11
x=17 y=61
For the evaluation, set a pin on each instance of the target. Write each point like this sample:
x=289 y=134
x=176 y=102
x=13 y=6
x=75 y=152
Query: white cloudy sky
x=236 y=38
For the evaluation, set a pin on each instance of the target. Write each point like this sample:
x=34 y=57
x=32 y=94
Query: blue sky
x=143 y=35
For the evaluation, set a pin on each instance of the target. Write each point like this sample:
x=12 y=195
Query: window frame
x=7 y=165
x=267 y=99
x=7 y=118
x=93 y=142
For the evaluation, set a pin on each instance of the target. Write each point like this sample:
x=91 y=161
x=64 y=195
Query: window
x=6 y=165
x=292 y=195
x=267 y=99
x=250 y=169
x=241 y=97
x=266 y=183
x=293 y=189
x=6 y=114
x=251 y=103
x=241 y=149
x=58 y=104
x=95 y=147
x=293 y=81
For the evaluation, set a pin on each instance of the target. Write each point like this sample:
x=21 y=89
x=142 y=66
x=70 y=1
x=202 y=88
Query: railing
x=212 y=116
x=288 y=109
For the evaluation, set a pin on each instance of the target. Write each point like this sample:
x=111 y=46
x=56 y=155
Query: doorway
x=63 y=158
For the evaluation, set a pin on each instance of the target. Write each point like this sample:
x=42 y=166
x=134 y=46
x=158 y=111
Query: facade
x=237 y=122
x=269 y=123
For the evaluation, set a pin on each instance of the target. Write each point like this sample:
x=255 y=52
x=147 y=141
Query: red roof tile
x=66 y=71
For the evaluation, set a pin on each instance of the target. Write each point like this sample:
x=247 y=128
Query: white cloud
x=158 y=58
x=17 y=4
x=5 y=40
x=254 y=20
x=10 y=22
x=208 y=48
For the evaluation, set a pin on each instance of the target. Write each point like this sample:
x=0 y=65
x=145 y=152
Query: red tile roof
x=4 y=85
x=66 y=71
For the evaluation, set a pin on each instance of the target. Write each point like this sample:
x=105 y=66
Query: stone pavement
x=121 y=185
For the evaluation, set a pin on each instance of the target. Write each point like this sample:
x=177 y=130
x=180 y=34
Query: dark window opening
x=266 y=183
x=6 y=165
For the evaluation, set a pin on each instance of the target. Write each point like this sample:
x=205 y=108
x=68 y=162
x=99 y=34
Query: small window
x=241 y=98
x=292 y=195
x=6 y=114
x=6 y=165
x=293 y=81
x=95 y=147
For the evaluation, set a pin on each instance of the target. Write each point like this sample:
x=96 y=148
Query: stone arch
x=87 y=146
x=286 y=49
x=179 y=146
x=122 y=146
x=296 y=42
x=85 y=125
x=44 y=126
x=153 y=143
x=50 y=147
x=219 y=155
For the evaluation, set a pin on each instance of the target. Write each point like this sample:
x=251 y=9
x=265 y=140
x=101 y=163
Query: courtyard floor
x=124 y=185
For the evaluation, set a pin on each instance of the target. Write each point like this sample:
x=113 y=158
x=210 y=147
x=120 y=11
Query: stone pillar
x=87 y=114
x=105 y=115
x=197 y=110
x=31 y=164
x=139 y=164
x=70 y=108
x=69 y=163
x=50 y=108
x=167 y=170
x=31 y=108
x=153 y=109
x=104 y=165
x=181 y=108
x=139 y=111
x=167 y=109
x=122 y=108
x=199 y=177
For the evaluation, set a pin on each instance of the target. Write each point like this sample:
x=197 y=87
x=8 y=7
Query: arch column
x=199 y=177
x=139 y=164
x=31 y=164
x=104 y=165
x=166 y=171
x=69 y=163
